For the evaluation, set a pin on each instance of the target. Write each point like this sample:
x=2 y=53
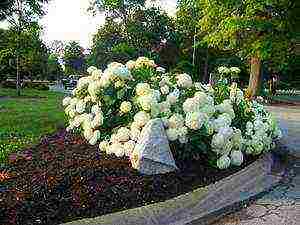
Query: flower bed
x=211 y=131
x=64 y=178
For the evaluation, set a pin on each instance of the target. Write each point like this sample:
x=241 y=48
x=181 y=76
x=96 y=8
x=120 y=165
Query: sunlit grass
x=25 y=119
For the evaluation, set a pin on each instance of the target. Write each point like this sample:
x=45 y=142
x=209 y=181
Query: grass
x=25 y=119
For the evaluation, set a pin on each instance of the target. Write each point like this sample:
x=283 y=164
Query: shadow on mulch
x=64 y=178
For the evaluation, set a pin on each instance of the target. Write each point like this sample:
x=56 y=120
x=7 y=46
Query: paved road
x=281 y=206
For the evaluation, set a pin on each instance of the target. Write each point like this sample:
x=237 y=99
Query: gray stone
x=155 y=156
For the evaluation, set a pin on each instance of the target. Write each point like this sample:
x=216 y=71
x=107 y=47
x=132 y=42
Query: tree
x=131 y=31
x=255 y=29
x=32 y=60
x=54 y=70
x=74 y=58
x=20 y=13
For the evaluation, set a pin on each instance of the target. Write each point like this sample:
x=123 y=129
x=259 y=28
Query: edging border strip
x=202 y=205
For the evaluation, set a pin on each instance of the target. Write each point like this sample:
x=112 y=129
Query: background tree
x=54 y=69
x=32 y=59
x=74 y=59
x=130 y=31
x=20 y=13
x=255 y=29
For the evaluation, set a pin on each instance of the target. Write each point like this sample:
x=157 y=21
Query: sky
x=68 y=20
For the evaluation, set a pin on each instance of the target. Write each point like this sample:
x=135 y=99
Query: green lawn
x=24 y=119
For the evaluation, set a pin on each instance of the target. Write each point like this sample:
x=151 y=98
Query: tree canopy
x=74 y=58
x=254 y=29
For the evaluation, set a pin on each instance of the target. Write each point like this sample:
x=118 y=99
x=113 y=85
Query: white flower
x=176 y=121
x=218 y=141
x=95 y=137
x=190 y=105
x=129 y=147
x=198 y=86
x=105 y=80
x=96 y=74
x=208 y=109
x=91 y=69
x=135 y=125
x=236 y=158
x=224 y=120
x=141 y=118
x=103 y=146
x=183 y=139
x=146 y=101
x=114 y=138
x=223 y=70
x=165 y=80
x=135 y=134
x=201 y=98
x=125 y=107
x=172 y=134
x=165 y=89
x=135 y=157
x=80 y=106
x=184 y=80
x=227 y=147
x=144 y=62
x=235 y=70
x=223 y=162
x=93 y=88
x=160 y=69
x=66 y=101
x=257 y=146
x=119 y=84
x=258 y=125
x=88 y=134
x=130 y=64
x=117 y=149
x=120 y=71
x=97 y=121
x=227 y=132
x=77 y=121
x=95 y=109
x=143 y=89
x=156 y=95
x=164 y=107
x=83 y=82
x=123 y=134
x=195 y=120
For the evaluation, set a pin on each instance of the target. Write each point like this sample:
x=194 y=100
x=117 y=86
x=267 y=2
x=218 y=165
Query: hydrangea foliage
x=111 y=107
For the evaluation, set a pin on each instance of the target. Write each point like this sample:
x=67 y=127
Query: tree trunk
x=205 y=75
x=255 y=77
x=18 y=83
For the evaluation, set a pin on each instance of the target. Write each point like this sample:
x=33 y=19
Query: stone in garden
x=154 y=154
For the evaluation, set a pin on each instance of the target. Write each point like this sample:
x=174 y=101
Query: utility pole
x=194 y=47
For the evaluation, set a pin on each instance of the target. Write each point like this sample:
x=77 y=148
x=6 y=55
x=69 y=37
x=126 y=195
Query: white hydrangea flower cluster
x=185 y=107
x=226 y=70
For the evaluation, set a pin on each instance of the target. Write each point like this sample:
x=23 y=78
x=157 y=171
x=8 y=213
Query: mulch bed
x=63 y=179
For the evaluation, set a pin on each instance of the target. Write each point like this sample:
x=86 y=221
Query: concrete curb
x=203 y=205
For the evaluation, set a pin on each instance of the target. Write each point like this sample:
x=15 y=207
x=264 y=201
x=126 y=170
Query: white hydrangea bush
x=111 y=107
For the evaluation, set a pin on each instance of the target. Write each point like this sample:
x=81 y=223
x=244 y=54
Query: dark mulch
x=63 y=179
